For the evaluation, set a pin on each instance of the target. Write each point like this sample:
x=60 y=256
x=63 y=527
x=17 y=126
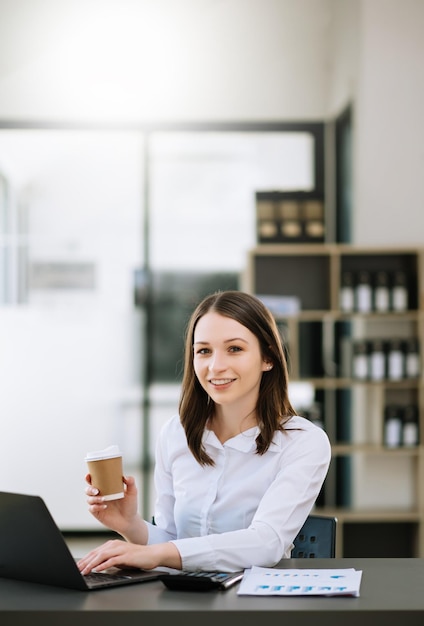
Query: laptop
x=33 y=549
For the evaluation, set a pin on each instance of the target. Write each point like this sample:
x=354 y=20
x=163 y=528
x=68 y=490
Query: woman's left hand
x=118 y=553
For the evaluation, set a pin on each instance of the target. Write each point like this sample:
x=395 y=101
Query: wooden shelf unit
x=371 y=488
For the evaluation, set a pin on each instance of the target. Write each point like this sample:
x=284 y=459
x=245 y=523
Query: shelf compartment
x=304 y=277
x=383 y=539
x=368 y=483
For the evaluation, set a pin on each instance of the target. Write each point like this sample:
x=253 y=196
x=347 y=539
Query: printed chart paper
x=263 y=581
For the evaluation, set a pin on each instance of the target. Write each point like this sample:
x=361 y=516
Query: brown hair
x=273 y=406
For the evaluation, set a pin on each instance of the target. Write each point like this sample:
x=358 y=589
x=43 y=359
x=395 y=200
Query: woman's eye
x=203 y=351
x=235 y=349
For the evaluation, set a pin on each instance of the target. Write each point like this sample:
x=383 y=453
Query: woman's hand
x=118 y=515
x=118 y=553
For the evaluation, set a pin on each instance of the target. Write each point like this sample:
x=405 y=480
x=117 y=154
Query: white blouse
x=247 y=509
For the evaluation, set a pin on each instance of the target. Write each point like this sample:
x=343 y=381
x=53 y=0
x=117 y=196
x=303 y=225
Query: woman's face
x=227 y=360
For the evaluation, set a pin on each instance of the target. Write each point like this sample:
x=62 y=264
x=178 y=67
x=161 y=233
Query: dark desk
x=392 y=593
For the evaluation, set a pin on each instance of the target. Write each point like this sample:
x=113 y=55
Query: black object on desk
x=201 y=581
x=33 y=549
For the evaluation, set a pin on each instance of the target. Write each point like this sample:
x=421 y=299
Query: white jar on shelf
x=381 y=292
x=347 y=292
x=363 y=292
x=392 y=426
x=395 y=360
x=399 y=291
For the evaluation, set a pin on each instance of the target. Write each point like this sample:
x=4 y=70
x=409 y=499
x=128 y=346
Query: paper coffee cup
x=105 y=467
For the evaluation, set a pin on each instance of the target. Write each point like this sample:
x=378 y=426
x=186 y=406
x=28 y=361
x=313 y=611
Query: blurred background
x=134 y=135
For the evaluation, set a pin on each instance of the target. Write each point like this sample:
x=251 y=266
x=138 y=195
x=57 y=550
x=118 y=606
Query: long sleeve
x=247 y=509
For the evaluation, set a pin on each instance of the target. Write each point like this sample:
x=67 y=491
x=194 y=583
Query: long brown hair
x=273 y=406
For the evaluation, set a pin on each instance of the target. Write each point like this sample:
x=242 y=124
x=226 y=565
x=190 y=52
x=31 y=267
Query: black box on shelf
x=290 y=217
x=379 y=539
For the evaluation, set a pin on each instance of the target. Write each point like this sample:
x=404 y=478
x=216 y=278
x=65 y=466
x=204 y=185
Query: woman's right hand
x=118 y=515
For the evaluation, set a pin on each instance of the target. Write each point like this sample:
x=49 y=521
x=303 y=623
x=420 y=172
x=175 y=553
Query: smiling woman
x=228 y=364
x=237 y=440
x=240 y=364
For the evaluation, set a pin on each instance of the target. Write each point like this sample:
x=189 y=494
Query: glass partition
x=108 y=239
x=202 y=222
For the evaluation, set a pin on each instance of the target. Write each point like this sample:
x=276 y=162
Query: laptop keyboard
x=98 y=578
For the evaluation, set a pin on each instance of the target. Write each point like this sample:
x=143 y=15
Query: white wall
x=70 y=361
x=344 y=55
x=164 y=59
x=132 y=60
x=389 y=129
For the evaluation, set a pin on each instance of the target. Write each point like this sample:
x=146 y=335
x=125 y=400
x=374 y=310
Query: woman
x=237 y=471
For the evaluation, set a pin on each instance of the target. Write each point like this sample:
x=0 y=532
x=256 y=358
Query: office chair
x=316 y=538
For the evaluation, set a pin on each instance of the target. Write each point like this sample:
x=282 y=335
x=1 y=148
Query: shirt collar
x=244 y=442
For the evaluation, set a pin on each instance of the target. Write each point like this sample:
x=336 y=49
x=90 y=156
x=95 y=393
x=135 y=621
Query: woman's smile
x=221 y=382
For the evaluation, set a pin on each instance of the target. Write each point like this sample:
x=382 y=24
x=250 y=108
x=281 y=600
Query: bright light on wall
x=107 y=60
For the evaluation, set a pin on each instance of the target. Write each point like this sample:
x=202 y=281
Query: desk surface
x=392 y=592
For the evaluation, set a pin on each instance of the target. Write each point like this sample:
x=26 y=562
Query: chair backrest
x=316 y=539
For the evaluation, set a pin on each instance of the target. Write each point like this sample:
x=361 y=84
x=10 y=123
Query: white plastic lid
x=107 y=453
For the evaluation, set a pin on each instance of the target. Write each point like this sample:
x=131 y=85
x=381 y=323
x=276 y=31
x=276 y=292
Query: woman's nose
x=217 y=362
